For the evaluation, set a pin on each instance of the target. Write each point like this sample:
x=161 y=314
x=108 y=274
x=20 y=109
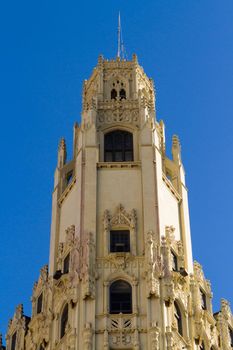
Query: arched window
x=122 y=94
x=120 y=297
x=118 y=146
x=64 y=321
x=113 y=94
x=178 y=318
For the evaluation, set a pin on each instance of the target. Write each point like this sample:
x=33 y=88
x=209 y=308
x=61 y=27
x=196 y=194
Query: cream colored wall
x=169 y=211
x=68 y=213
x=118 y=186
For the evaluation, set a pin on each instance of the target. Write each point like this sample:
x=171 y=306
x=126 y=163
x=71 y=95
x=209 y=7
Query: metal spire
x=121 y=53
x=119 y=36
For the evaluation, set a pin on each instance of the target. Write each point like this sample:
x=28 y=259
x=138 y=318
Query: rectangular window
x=39 y=304
x=203 y=300
x=119 y=241
x=66 y=264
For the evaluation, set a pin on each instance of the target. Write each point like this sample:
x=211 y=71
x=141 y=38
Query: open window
x=118 y=146
x=178 y=318
x=113 y=94
x=203 y=300
x=119 y=241
x=120 y=297
x=122 y=94
x=64 y=321
x=174 y=261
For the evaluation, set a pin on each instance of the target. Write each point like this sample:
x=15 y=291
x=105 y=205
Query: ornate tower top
x=117 y=80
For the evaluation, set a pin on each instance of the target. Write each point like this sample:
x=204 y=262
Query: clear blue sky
x=47 y=49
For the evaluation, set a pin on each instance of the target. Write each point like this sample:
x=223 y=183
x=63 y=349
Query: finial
x=135 y=59
x=61 y=153
x=100 y=59
x=176 y=149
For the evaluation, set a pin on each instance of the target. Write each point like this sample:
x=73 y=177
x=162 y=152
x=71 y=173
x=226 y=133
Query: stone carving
x=106 y=343
x=169 y=339
x=118 y=116
x=88 y=267
x=87 y=335
x=154 y=331
x=154 y=264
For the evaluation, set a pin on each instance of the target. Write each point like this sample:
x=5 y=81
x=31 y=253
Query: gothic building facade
x=121 y=273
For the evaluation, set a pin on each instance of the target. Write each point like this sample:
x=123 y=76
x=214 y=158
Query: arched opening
x=178 y=318
x=120 y=297
x=122 y=94
x=64 y=321
x=118 y=146
x=113 y=94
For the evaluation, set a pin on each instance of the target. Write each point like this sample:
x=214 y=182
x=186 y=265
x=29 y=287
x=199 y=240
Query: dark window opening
x=120 y=297
x=119 y=241
x=122 y=94
x=174 y=261
x=231 y=336
x=118 y=146
x=66 y=264
x=13 y=341
x=178 y=318
x=113 y=94
x=203 y=300
x=39 y=304
x=69 y=177
x=64 y=321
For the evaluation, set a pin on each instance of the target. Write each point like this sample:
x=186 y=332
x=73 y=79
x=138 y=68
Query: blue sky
x=47 y=49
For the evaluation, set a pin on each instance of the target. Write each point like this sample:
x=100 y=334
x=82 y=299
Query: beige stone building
x=121 y=273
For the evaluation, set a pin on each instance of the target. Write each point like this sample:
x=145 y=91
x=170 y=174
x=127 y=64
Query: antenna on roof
x=121 y=52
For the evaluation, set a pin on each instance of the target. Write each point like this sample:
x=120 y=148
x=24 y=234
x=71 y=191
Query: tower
x=121 y=273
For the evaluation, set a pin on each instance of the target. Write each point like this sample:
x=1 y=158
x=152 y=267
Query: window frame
x=115 y=310
x=114 y=232
x=116 y=149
